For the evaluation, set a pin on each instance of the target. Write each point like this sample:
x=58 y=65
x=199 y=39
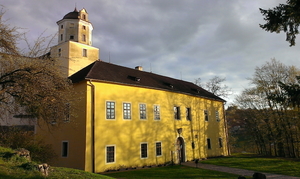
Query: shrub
x=17 y=138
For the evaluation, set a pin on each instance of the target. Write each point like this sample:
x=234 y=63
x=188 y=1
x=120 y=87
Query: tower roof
x=72 y=15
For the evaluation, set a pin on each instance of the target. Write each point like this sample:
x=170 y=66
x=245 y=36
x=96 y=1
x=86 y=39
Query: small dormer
x=83 y=15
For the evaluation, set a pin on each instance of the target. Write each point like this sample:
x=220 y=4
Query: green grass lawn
x=14 y=167
x=176 y=171
x=284 y=166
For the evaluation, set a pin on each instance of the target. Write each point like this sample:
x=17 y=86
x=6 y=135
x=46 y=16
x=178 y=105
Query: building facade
x=131 y=118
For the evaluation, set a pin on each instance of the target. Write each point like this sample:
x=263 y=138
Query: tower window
x=83 y=16
x=83 y=37
x=62 y=26
x=83 y=27
x=71 y=37
x=61 y=37
x=59 y=52
x=84 y=52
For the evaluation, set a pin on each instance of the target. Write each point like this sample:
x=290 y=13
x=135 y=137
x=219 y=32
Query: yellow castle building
x=128 y=117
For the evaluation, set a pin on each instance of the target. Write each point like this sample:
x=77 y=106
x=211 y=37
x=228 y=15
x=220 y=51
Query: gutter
x=92 y=124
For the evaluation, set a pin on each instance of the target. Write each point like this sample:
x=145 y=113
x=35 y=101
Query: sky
x=182 y=39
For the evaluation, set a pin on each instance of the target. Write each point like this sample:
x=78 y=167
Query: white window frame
x=155 y=112
x=161 y=149
x=140 y=111
x=115 y=111
x=146 y=150
x=115 y=152
x=123 y=109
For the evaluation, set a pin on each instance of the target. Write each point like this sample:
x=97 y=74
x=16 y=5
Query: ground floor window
x=65 y=149
x=110 y=154
x=208 y=144
x=158 y=148
x=144 y=150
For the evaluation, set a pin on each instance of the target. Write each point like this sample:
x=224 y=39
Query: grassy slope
x=11 y=167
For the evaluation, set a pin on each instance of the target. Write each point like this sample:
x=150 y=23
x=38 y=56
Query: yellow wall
x=71 y=58
x=127 y=135
x=73 y=131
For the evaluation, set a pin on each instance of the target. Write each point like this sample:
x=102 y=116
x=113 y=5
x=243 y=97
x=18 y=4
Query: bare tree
x=274 y=124
x=215 y=85
x=29 y=81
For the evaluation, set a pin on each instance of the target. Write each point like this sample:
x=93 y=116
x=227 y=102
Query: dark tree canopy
x=284 y=17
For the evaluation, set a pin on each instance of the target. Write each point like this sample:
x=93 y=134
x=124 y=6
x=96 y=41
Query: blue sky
x=181 y=39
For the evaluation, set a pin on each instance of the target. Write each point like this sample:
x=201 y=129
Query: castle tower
x=74 y=50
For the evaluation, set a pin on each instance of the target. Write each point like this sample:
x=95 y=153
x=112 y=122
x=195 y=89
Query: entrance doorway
x=180 y=150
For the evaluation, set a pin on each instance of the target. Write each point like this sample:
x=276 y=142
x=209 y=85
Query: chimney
x=140 y=68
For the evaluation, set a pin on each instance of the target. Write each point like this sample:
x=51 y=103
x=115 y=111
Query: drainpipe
x=92 y=124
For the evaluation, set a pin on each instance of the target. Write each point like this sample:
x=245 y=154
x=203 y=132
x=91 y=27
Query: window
x=110 y=110
x=176 y=112
x=71 y=37
x=208 y=144
x=83 y=37
x=84 y=52
x=188 y=114
x=142 y=111
x=62 y=26
x=83 y=27
x=156 y=112
x=217 y=116
x=83 y=16
x=61 y=37
x=206 y=115
x=65 y=149
x=144 y=150
x=110 y=154
x=158 y=148
x=59 y=52
x=126 y=111
x=220 y=142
